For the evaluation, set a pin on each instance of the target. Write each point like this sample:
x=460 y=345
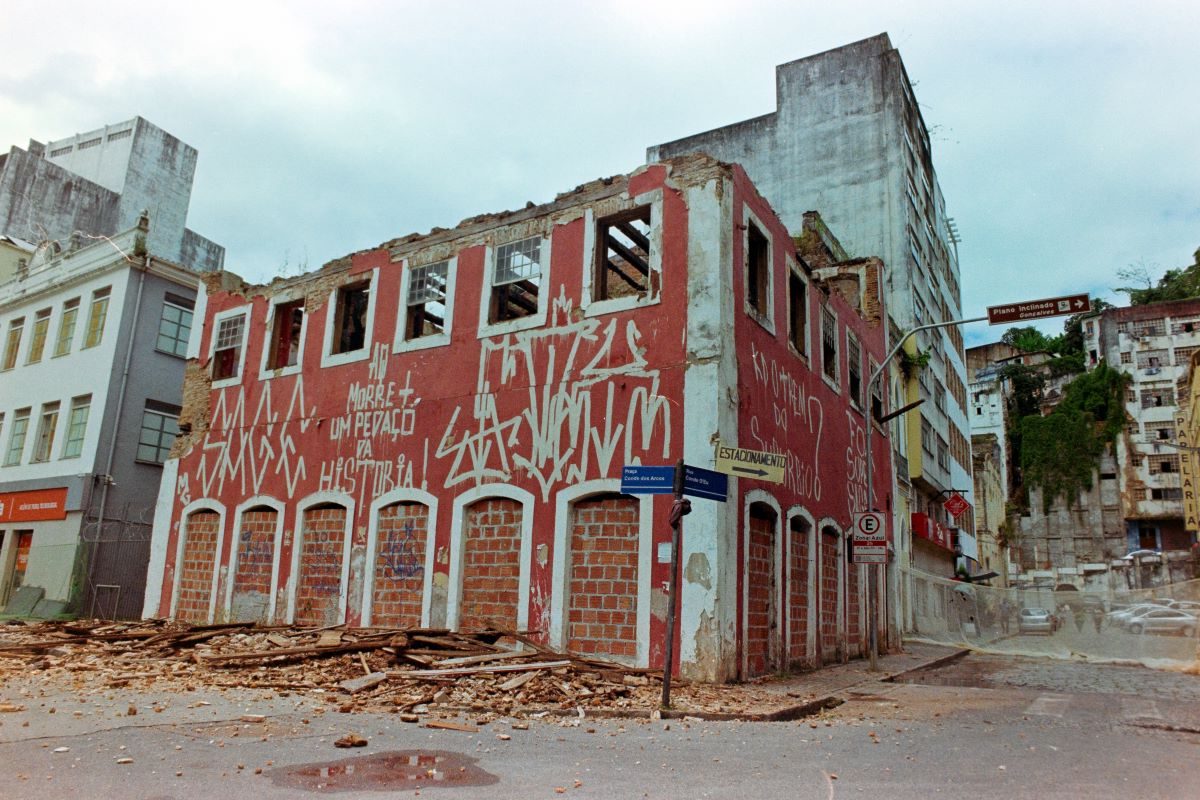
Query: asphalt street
x=981 y=726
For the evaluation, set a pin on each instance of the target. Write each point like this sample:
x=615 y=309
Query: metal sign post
x=680 y=508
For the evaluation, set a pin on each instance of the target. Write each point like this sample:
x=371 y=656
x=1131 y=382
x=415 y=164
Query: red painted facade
x=470 y=477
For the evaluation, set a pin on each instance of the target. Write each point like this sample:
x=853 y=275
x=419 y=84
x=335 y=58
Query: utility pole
x=872 y=591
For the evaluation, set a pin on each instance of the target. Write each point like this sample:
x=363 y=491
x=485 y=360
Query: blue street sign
x=647 y=480
x=697 y=482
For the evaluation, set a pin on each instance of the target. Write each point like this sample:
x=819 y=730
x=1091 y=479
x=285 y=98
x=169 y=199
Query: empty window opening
x=285 y=335
x=515 y=281
x=353 y=302
x=854 y=369
x=427 y=300
x=623 y=257
x=758 y=269
x=227 y=352
x=876 y=400
x=829 y=344
x=798 y=313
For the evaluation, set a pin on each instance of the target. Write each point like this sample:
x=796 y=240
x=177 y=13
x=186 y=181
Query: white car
x=1122 y=617
x=1164 y=620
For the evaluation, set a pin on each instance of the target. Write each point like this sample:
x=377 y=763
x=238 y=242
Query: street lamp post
x=872 y=601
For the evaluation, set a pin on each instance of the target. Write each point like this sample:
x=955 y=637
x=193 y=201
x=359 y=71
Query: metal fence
x=114 y=557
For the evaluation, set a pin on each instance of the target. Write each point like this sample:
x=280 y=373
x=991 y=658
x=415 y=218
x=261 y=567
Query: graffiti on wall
x=400 y=557
x=796 y=416
x=247 y=450
x=377 y=411
x=572 y=424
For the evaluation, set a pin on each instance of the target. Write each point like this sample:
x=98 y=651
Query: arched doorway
x=603 y=577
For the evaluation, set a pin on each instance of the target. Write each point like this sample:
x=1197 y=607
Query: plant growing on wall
x=911 y=363
x=1059 y=452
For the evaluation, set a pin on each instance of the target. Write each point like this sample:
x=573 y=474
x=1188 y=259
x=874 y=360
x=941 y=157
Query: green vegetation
x=1059 y=452
x=1175 y=284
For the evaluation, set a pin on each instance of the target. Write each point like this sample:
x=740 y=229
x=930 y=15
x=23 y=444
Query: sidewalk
x=797 y=696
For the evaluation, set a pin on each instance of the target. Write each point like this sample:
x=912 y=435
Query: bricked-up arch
x=402 y=533
x=762 y=583
x=829 y=648
x=254 y=565
x=602 y=591
x=800 y=590
x=320 y=592
x=197 y=571
x=491 y=564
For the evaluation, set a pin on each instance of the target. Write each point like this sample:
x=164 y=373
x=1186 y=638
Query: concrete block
x=23 y=601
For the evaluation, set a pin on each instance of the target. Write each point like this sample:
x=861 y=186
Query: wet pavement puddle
x=399 y=769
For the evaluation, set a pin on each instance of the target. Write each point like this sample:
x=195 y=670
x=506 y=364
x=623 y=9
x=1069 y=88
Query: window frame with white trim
x=495 y=298
x=419 y=298
x=613 y=241
x=285 y=310
x=338 y=344
x=222 y=342
x=758 y=270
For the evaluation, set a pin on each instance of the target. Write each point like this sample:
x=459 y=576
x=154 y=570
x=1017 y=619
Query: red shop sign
x=33 y=506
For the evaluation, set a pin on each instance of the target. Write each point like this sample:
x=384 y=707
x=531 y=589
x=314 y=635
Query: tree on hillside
x=1176 y=284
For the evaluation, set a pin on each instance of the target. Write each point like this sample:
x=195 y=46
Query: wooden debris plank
x=463 y=661
x=451 y=726
x=519 y=681
x=329 y=638
x=454 y=644
x=438 y=673
x=296 y=652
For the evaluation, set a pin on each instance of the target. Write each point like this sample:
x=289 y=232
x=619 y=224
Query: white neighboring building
x=100 y=182
x=91 y=372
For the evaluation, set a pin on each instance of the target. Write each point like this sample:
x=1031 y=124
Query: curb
x=934 y=664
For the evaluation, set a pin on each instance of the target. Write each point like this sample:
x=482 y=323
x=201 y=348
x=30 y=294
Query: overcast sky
x=1066 y=136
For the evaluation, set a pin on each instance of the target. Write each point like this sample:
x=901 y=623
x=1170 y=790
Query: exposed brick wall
x=854 y=627
x=603 y=588
x=255 y=556
x=201 y=531
x=828 y=603
x=400 y=565
x=491 y=564
x=798 y=594
x=320 y=584
x=761 y=613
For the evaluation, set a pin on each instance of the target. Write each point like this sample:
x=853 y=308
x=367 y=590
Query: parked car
x=1165 y=620
x=1190 y=606
x=1036 y=620
x=1122 y=617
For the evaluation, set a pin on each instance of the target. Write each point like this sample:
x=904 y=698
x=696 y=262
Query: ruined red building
x=433 y=432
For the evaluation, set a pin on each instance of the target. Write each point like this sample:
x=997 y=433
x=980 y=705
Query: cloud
x=1063 y=134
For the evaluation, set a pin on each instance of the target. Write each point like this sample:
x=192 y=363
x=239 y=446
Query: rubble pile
x=426 y=672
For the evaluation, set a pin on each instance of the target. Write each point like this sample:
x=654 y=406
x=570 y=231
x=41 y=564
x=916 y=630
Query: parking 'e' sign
x=868 y=527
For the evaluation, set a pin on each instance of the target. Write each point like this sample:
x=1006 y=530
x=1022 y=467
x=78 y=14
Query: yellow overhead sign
x=756 y=464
